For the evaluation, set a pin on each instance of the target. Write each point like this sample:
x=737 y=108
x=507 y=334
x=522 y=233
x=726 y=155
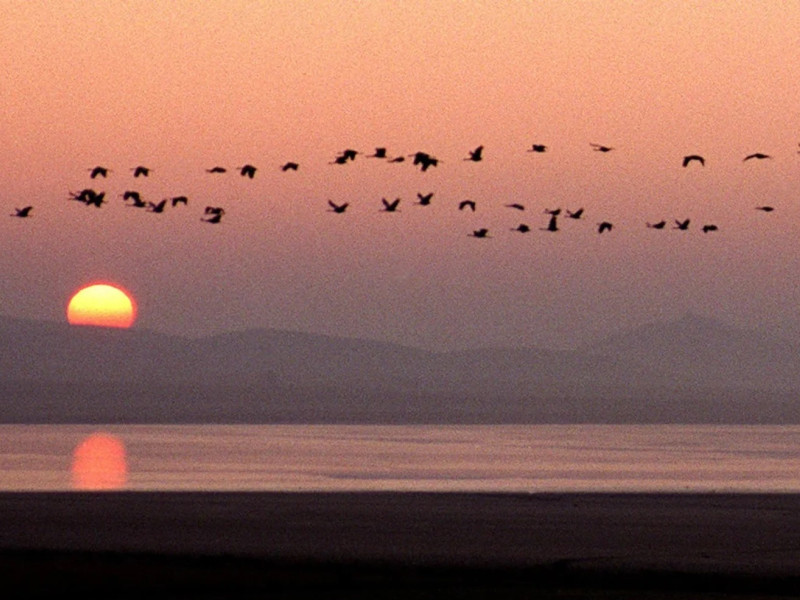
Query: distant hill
x=692 y=370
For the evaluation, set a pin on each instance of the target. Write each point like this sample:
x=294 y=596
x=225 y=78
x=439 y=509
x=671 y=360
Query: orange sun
x=101 y=305
x=99 y=463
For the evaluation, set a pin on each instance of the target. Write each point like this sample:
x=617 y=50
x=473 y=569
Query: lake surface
x=501 y=458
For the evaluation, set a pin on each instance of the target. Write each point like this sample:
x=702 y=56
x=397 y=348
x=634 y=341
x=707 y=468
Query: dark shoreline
x=221 y=544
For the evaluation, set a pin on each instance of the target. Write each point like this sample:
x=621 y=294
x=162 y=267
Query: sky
x=184 y=86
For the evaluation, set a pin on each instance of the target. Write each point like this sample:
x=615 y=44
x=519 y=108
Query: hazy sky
x=184 y=86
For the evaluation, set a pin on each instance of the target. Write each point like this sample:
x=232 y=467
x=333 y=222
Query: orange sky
x=183 y=86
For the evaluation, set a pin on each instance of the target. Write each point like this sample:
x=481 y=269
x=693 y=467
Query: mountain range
x=689 y=370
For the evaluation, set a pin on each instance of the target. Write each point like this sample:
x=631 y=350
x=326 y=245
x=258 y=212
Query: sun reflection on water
x=99 y=462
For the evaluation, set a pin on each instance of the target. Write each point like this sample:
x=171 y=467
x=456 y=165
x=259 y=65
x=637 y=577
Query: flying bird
x=156 y=207
x=552 y=225
x=475 y=155
x=338 y=208
x=466 y=204
x=87 y=196
x=424 y=199
x=179 y=200
x=480 y=233
x=537 y=148
x=136 y=197
x=424 y=160
x=575 y=215
x=213 y=219
x=707 y=228
x=600 y=147
x=604 y=226
x=681 y=225
x=522 y=228
x=553 y=211
x=247 y=171
x=659 y=225
x=141 y=171
x=217 y=170
x=756 y=155
x=390 y=206
x=99 y=172
x=693 y=157
x=345 y=156
x=515 y=205
x=131 y=195
x=293 y=166
x=23 y=212
x=379 y=153
x=765 y=208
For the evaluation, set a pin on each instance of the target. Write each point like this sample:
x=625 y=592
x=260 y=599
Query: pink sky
x=183 y=86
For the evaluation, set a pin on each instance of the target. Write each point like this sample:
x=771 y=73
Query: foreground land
x=291 y=545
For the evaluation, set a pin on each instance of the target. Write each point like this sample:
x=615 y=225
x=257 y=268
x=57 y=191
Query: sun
x=101 y=305
x=99 y=463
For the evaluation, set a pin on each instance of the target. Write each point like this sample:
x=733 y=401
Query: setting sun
x=101 y=305
x=99 y=463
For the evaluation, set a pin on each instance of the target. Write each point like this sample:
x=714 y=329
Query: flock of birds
x=423 y=160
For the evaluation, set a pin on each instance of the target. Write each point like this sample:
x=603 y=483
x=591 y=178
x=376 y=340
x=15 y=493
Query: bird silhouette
x=379 y=153
x=217 y=170
x=156 y=207
x=537 y=148
x=424 y=199
x=552 y=225
x=576 y=214
x=289 y=166
x=756 y=155
x=475 y=155
x=135 y=197
x=397 y=159
x=424 y=160
x=213 y=219
x=522 y=228
x=97 y=200
x=175 y=200
x=765 y=208
x=659 y=225
x=99 y=172
x=87 y=196
x=693 y=157
x=131 y=195
x=515 y=205
x=344 y=157
x=600 y=147
x=141 y=171
x=338 y=208
x=23 y=212
x=390 y=206
x=470 y=204
x=681 y=225
x=480 y=233
x=604 y=226
x=707 y=228
x=553 y=211
x=247 y=171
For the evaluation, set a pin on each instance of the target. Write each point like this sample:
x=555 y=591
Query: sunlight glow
x=101 y=305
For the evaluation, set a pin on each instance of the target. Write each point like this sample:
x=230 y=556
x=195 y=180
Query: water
x=498 y=458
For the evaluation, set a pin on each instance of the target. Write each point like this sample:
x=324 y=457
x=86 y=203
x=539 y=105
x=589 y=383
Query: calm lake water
x=526 y=458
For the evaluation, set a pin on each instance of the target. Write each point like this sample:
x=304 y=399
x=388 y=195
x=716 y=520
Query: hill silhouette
x=691 y=370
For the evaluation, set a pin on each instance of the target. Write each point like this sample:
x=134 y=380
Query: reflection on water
x=99 y=463
x=524 y=458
